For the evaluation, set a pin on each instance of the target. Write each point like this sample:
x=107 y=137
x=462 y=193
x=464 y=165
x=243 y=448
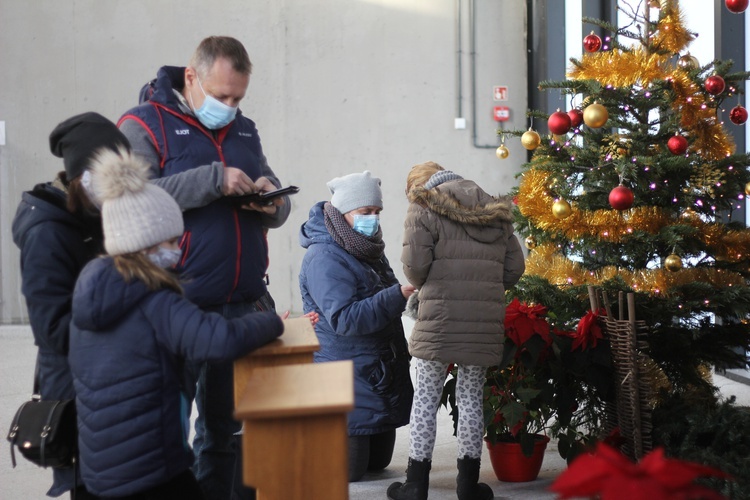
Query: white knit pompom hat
x=136 y=214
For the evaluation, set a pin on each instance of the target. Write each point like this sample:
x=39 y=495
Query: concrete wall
x=338 y=86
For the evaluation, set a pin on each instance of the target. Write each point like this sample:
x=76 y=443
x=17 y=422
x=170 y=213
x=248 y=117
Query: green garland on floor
x=716 y=435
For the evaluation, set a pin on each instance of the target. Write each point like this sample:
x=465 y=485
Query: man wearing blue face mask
x=201 y=149
x=345 y=277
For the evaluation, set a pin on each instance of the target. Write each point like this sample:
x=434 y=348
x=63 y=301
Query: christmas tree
x=637 y=191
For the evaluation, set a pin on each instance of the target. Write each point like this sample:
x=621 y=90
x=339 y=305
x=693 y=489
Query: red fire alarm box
x=501 y=113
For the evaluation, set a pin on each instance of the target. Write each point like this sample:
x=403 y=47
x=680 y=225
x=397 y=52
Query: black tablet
x=265 y=198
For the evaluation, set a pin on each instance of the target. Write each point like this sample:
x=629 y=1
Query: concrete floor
x=27 y=481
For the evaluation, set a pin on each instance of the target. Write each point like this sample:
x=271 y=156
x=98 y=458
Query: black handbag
x=45 y=432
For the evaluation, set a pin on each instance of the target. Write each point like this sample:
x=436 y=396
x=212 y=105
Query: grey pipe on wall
x=472 y=38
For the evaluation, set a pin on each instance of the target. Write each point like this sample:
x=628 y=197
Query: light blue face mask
x=88 y=187
x=213 y=113
x=165 y=257
x=366 y=224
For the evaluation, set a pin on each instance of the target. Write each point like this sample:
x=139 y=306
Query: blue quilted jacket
x=224 y=249
x=360 y=306
x=127 y=346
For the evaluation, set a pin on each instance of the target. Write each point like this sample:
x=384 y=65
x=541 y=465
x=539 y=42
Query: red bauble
x=558 y=123
x=738 y=115
x=576 y=117
x=592 y=43
x=677 y=145
x=621 y=198
x=736 y=6
x=714 y=85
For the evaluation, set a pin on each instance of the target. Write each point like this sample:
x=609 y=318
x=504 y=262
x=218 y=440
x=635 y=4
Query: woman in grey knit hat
x=345 y=277
x=460 y=251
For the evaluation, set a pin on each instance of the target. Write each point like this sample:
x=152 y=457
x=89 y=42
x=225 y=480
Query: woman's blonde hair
x=421 y=173
x=138 y=266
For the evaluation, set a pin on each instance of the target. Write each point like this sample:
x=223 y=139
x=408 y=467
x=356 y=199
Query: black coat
x=55 y=245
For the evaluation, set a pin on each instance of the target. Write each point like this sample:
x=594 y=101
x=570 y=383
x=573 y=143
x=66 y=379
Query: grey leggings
x=423 y=423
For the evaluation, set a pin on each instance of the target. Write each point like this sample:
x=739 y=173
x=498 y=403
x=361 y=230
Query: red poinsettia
x=588 y=330
x=522 y=321
x=610 y=475
x=614 y=438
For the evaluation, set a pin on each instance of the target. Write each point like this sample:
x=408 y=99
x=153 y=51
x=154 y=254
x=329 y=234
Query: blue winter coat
x=127 y=347
x=225 y=252
x=360 y=319
x=55 y=245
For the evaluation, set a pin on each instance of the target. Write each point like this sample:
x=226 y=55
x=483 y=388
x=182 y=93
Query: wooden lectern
x=296 y=345
x=295 y=443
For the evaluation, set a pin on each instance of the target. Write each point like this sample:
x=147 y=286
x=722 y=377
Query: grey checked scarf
x=370 y=249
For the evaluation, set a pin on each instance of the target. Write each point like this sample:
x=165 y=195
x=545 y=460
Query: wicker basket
x=631 y=411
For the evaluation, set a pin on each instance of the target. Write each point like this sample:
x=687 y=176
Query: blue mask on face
x=165 y=257
x=366 y=224
x=213 y=113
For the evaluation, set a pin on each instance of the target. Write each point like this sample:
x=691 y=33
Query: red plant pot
x=511 y=465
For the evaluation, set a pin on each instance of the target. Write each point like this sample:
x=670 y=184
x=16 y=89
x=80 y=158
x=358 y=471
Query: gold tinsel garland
x=535 y=202
x=546 y=262
x=710 y=140
x=691 y=97
x=620 y=68
x=671 y=34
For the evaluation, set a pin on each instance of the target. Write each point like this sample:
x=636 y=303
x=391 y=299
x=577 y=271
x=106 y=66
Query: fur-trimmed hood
x=463 y=201
x=459 y=250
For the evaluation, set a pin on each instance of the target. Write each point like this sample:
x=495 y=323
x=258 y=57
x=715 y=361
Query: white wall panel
x=338 y=86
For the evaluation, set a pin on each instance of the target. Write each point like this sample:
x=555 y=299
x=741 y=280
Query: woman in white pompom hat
x=132 y=332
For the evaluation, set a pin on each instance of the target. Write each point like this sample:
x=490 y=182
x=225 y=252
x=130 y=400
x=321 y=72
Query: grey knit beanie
x=440 y=177
x=354 y=191
x=136 y=214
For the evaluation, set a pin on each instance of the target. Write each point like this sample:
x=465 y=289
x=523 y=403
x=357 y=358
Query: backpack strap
x=147 y=91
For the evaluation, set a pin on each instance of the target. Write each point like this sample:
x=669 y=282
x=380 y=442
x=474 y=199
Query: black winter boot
x=417 y=482
x=469 y=487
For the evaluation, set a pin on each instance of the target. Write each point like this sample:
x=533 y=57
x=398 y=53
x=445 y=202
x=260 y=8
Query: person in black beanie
x=58 y=229
x=76 y=139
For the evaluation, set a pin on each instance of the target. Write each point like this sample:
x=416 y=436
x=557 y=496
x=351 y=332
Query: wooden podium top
x=299 y=336
x=298 y=390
